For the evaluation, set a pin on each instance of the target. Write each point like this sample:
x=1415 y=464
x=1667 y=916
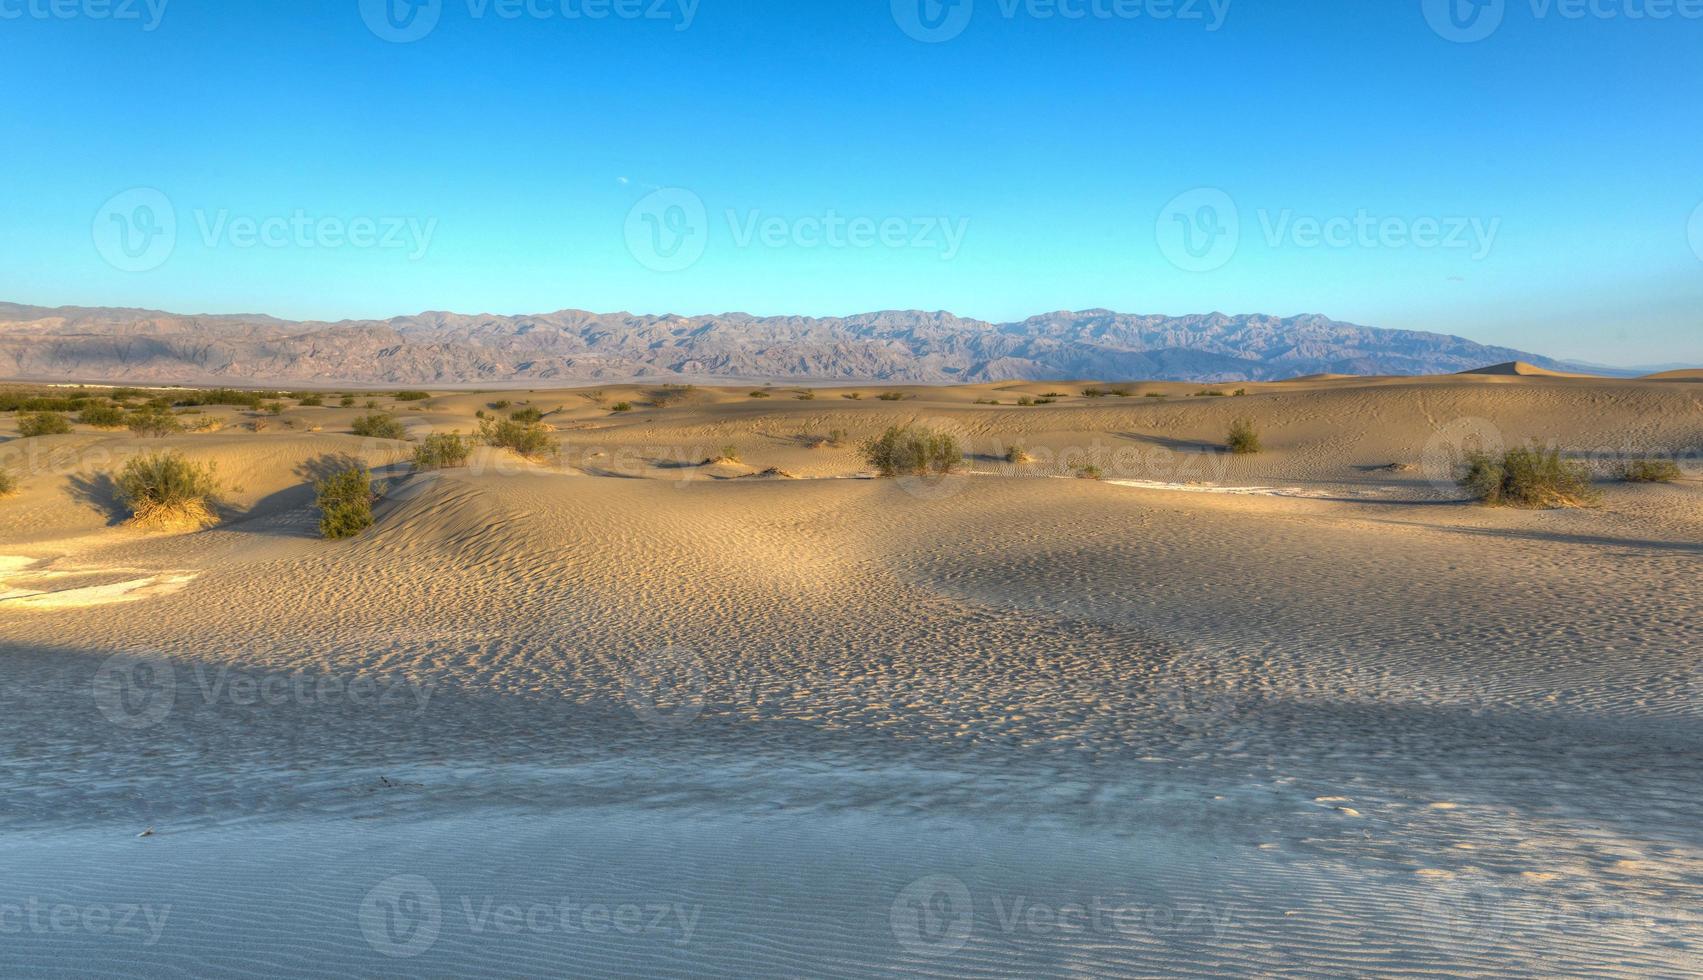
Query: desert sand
x=1299 y=713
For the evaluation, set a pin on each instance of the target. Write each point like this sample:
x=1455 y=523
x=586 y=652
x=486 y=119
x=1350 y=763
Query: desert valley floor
x=625 y=712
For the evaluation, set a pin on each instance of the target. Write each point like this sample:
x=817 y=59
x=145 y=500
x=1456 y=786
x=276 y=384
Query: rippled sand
x=1002 y=725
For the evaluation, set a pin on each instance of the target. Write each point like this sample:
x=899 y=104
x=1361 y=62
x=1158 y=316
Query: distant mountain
x=570 y=346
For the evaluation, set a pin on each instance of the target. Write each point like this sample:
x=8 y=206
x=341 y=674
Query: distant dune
x=1688 y=374
x=1524 y=370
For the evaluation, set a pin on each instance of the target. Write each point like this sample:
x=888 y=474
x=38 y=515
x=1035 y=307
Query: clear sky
x=1366 y=159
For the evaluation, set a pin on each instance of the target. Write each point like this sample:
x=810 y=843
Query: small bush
x=1531 y=478
x=1015 y=453
x=836 y=437
x=1243 y=438
x=807 y=396
x=987 y=401
x=1648 y=471
x=42 y=424
x=1095 y=392
x=500 y=405
x=1089 y=472
x=891 y=396
x=412 y=396
x=166 y=491
x=1025 y=401
x=853 y=395
x=345 y=503
x=1154 y=394
x=1045 y=401
x=1239 y=393
x=347 y=401
x=530 y=439
x=912 y=450
x=274 y=408
x=527 y=415
x=378 y=425
x=759 y=394
x=371 y=404
x=441 y=450
x=153 y=423
x=621 y=407
x=1209 y=394
x=312 y=401
x=8 y=483
x=102 y=416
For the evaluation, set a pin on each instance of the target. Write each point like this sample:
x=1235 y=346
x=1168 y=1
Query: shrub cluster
x=1648 y=471
x=378 y=425
x=526 y=438
x=411 y=396
x=8 y=482
x=441 y=450
x=43 y=424
x=1243 y=438
x=912 y=450
x=102 y=416
x=165 y=490
x=345 y=500
x=152 y=422
x=1528 y=477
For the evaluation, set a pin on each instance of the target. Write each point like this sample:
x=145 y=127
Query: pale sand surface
x=1335 y=723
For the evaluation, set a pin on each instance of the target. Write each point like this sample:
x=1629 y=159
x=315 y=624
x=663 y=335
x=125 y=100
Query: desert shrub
x=1045 y=401
x=1015 y=453
x=274 y=408
x=727 y=454
x=1243 y=438
x=42 y=424
x=621 y=407
x=912 y=450
x=312 y=401
x=1052 y=394
x=527 y=415
x=8 y=482
x=1094 y=392
x=525 y=438
x=371 y=404
x=1528 y=477
x=218 y=396
x=1121 y=392
x=853 y=395
x=891 y=396
x=102 y=416
x=1089 y=472
x=1154 y=394
x=345 y=501
x=669 y=394
x=152 y=422
x=1025 y=401
x=441 y=450
x=1209 y=394
x=347 y=401
x=411 y=396
x=807 y=396
x=1239 y=393
x=500 y=405
x=836 y=437
x=18 y=402
x=759 y=394
x=987 y=401
x=378 y=425
x=1648 y=471
x=165 y=490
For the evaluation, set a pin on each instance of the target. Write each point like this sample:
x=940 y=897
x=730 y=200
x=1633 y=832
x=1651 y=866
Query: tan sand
x=1392 y=733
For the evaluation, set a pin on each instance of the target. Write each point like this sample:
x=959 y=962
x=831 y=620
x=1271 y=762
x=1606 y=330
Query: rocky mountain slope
x=148 y=346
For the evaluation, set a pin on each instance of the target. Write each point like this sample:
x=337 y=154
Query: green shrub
x=727 y=454
x=102 y=416
x=274 y=408
x=526 y=438
x=853 y=395
x=152 y=422
x=347 y=401
x=807 y=396
x=42 y=424
x=1154 y=394
x=621 y=407
x=500 y=405
x=411 y=396
x=1094 y=392
x=1089 y=472
x=1528 y=477
x=378 y=425
x=1015 y=453
x=1654 y=470
x=165 y=490
x=441 y=450
x=345 y=501
x=1025 y=401
x=8 y=482
x=912 y=450
x=1243 y=438
x=891 y=396
x=527 y=415
x=1239 y=393
x=759 y=394
x=312 y=401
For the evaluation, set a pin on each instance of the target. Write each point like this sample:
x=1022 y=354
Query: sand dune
x=1299 y=713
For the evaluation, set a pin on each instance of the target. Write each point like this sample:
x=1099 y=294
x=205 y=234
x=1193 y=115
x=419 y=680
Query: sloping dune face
x=1005 y=723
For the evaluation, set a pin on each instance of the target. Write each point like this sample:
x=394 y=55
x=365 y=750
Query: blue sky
x=1538 y=187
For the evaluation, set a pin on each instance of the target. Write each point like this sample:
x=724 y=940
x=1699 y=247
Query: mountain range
x=574 y=346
